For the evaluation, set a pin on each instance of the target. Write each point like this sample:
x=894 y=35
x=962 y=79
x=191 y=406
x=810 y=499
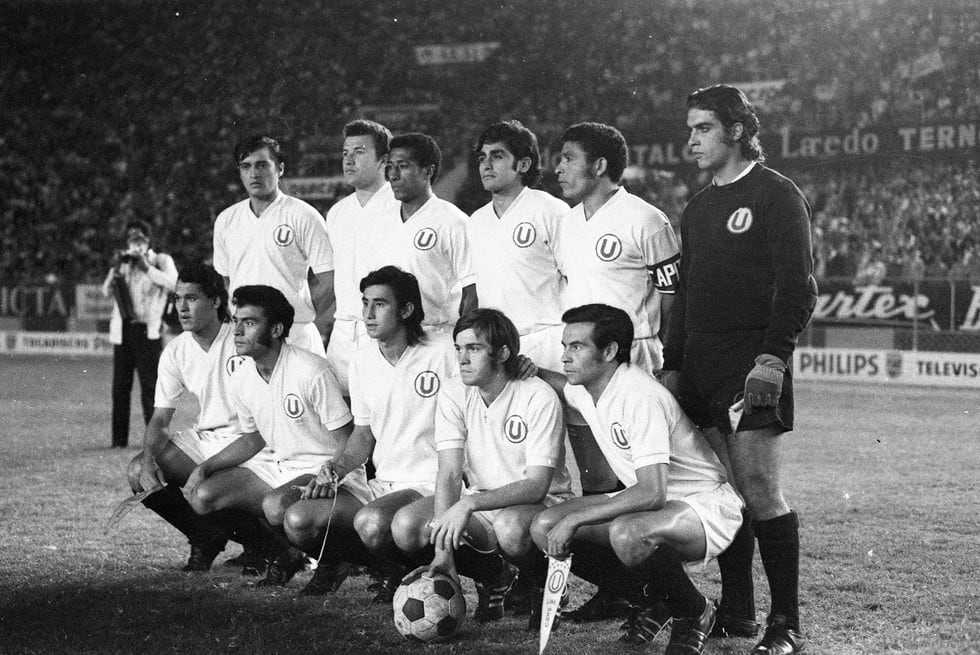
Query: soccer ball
x=429 y=607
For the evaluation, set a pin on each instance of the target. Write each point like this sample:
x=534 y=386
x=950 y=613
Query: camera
x=128 y=256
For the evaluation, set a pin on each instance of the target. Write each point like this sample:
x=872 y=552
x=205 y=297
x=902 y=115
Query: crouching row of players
x=468 y=455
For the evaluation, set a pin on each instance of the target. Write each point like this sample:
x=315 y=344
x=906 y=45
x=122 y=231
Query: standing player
x=353 y=225
x=291 y=415
x=200 y=360
x=616 y=247
x=505 y=437
x=515 y=239
x=746 y=292
x=426 y=235
x=677 y=506
x=394 y=384
x=275 y=239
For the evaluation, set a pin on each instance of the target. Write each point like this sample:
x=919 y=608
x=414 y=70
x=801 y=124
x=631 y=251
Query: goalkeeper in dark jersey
x=746 y=292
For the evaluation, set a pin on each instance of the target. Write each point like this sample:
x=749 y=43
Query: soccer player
x=291 y=415
x=745 y=294
x=426 y=235
x=677 y=507
x=275 y=239
x=515 y=239
x=353 y=225
x=505 y=437
x=394 y=384
x=200 y=360
x=616 y=247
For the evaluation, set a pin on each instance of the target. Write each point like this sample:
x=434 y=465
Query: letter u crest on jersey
x=283 y=235
x=427 y=384
x=608 y=247
x=524 y=235
x=515 y=429
x=740 y=221
x=292 y=405
x=233 y=363
x=618 y=434
x=425 y=238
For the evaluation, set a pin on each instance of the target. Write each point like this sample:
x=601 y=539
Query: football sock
x=173 y=508
x=779 y=546
x=666 y=578
x=484 y=568
x=599 y=565
x=735 y=564
x=533 y=567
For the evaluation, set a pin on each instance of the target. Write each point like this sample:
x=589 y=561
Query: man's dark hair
x=423 y=148
x=520 y=142
x=210 y=282
x=142 y=226
x=731 y=106
x=599 y=140
x=275 y=306
x=405 y=287
x=498 y=330
x=377 y=131
x=609 y=325
x=250 y=144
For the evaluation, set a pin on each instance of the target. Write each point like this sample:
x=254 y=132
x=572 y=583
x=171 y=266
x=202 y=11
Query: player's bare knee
x=299 y=523
x=512 y=534
x=203 y=500
x=372 y=527
x=274 y=509
x=406 y=530
x=631 y=542
x=540 y=527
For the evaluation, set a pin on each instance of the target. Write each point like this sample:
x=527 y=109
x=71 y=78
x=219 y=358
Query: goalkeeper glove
x=764 y=383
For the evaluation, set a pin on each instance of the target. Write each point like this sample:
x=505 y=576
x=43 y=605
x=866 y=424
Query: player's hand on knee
x=764 y=383
x=324 y=485
x=151 y=475
x=671 y=380
x=560 y=538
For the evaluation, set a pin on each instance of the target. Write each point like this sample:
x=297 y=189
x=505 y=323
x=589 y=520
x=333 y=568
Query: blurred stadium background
x=117 y=109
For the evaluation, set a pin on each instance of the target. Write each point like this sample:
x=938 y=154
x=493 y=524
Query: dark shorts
x=713 y=379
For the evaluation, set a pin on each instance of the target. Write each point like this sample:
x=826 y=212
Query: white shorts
x=277 y=473
x=381 y=488
x=486 y=517
x=346 y=339
x=720 y=511
x=306 y=336
x=199 y=445
x=647 y=353
x=544 y=348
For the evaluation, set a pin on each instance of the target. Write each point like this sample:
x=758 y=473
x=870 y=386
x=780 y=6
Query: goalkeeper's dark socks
x=173 y=508
x=779 y=546
x=735 y=565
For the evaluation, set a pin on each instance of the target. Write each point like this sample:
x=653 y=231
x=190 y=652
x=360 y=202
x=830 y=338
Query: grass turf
x=884 y=480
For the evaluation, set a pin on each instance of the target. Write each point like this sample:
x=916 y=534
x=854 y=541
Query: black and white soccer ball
x=429 y=607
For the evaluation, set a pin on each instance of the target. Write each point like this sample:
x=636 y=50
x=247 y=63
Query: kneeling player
x=506 y=437
x=292 y=415
x=393 y=385
x=200 y=360
x=677 y=507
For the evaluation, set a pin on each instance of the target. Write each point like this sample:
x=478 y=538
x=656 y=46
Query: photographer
x=139 y=282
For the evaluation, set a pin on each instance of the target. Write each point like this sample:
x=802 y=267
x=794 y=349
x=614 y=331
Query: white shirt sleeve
x=450 y=429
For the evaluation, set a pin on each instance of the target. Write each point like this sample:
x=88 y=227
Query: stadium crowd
x=112 y=114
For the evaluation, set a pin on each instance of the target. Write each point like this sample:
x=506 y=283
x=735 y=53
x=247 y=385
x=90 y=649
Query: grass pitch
x=885 y=481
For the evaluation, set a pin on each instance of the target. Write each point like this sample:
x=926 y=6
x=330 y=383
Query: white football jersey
x=354 y=232
x=276 y=249
x=431 y=245
x=295 y=410
x=515 y=258
x=522 y=427
x=624 y=256
x=185 y=366
x=638 y=423
x=398 y=402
